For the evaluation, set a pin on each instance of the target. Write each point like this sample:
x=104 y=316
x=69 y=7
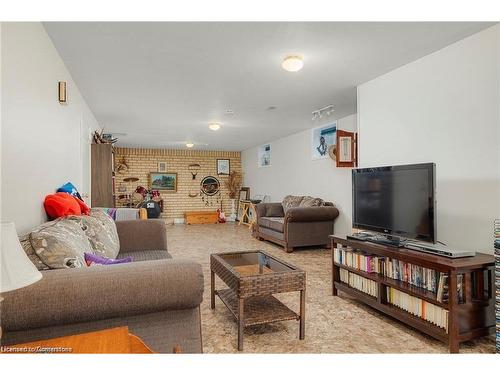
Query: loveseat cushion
x=274 y=223
x=101 y=232
x=142 y=255
x=291 y=201
x=308 y=201
x=61 y=244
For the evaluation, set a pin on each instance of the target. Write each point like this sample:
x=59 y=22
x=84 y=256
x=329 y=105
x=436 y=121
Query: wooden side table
x=109 y=341
x=247 y=207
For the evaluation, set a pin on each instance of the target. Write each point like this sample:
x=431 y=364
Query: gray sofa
x=157 y=297
x=298 y=226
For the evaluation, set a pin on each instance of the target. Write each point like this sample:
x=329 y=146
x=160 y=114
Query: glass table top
x=255 y=263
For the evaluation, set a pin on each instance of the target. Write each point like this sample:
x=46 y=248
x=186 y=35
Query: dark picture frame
x=246 y=196
x=164 y=181
x=223 y=167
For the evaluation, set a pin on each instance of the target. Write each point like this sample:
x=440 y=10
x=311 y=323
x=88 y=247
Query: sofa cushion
x=291 y=201
x=61 y=244
x=274 y=223
x=101 y=233
x=311 y=202
x=30 y=252
x=142 y=255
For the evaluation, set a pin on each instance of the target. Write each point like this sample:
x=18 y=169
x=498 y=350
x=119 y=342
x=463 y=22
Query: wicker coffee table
x=252 y=278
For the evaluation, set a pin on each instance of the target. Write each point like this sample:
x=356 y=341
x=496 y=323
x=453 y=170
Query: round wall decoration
x=332 y=152
x=210 y=185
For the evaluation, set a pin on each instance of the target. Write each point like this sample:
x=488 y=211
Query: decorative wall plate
x=210 y=186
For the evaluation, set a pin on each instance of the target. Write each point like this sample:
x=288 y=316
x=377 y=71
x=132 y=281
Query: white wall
x=293 y=172
x=443 y=108
x=42 y=145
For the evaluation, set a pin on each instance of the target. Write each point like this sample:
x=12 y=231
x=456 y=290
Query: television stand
x=469 y=312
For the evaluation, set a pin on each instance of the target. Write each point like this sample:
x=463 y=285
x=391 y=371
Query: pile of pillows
x=74 y=241
x=76 y=237
x=291 y=201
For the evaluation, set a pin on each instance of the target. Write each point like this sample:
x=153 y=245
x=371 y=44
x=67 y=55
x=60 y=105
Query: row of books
x=496 y=244
x=422 y=277
x=416 y=306
x=358 y=282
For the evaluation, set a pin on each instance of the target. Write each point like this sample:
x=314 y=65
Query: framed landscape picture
x=163 y=181
x=322 y=138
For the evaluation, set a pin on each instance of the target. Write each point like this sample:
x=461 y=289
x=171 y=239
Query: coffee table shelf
x=258 y=310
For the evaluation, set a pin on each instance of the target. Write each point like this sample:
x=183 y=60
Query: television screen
x=396 y=200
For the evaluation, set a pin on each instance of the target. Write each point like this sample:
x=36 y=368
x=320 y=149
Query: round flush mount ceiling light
x=214 y=126
x=292 y=63
x=189 y=145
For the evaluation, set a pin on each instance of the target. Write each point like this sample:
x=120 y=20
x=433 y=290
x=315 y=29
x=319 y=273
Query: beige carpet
x=333 y=324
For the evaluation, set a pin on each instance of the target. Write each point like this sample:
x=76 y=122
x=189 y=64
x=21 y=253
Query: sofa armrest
x=95 y=293
x=302 y=214
x=269 y=210
x=142 y=235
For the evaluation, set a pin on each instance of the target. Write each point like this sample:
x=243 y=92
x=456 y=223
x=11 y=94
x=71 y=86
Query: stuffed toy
x=69 y=188
x=64 y=204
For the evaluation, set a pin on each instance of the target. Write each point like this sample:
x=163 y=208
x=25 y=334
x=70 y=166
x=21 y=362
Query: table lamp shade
x=16 y=269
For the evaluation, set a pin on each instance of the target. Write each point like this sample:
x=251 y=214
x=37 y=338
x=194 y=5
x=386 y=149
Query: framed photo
x=163 y=181
x=162 y=167
x=223 y=167
x=244 y=194
x=322 y=138
x=264 y=155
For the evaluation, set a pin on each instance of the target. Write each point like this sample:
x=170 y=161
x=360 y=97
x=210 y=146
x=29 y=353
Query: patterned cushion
x=101 y=233
x=61 y=244
x=311 y=202
x=291 y=201
x=30 y=252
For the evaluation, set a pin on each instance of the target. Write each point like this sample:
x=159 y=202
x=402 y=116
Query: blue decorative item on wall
x=322 y=138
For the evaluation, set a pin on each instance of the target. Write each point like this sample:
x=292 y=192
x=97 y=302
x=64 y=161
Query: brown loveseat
x=157 y=297
x=301 y=224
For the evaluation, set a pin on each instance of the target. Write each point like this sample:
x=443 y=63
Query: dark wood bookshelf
x=471 y=318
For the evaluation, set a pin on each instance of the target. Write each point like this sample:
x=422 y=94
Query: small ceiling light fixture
x=322 y=112
x=189 y=145
x=214 y=126
x=292 y=63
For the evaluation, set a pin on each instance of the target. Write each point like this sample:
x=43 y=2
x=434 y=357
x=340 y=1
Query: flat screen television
x=397 y=200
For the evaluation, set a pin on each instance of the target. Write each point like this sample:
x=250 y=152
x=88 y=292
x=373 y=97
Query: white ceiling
x=161 y=83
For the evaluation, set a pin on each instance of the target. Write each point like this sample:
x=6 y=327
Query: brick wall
x=143 y=161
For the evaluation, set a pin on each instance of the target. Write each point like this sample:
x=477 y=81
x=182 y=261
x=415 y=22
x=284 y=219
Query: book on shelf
x=422 y=277
x=359 y=282
x=418 y=307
